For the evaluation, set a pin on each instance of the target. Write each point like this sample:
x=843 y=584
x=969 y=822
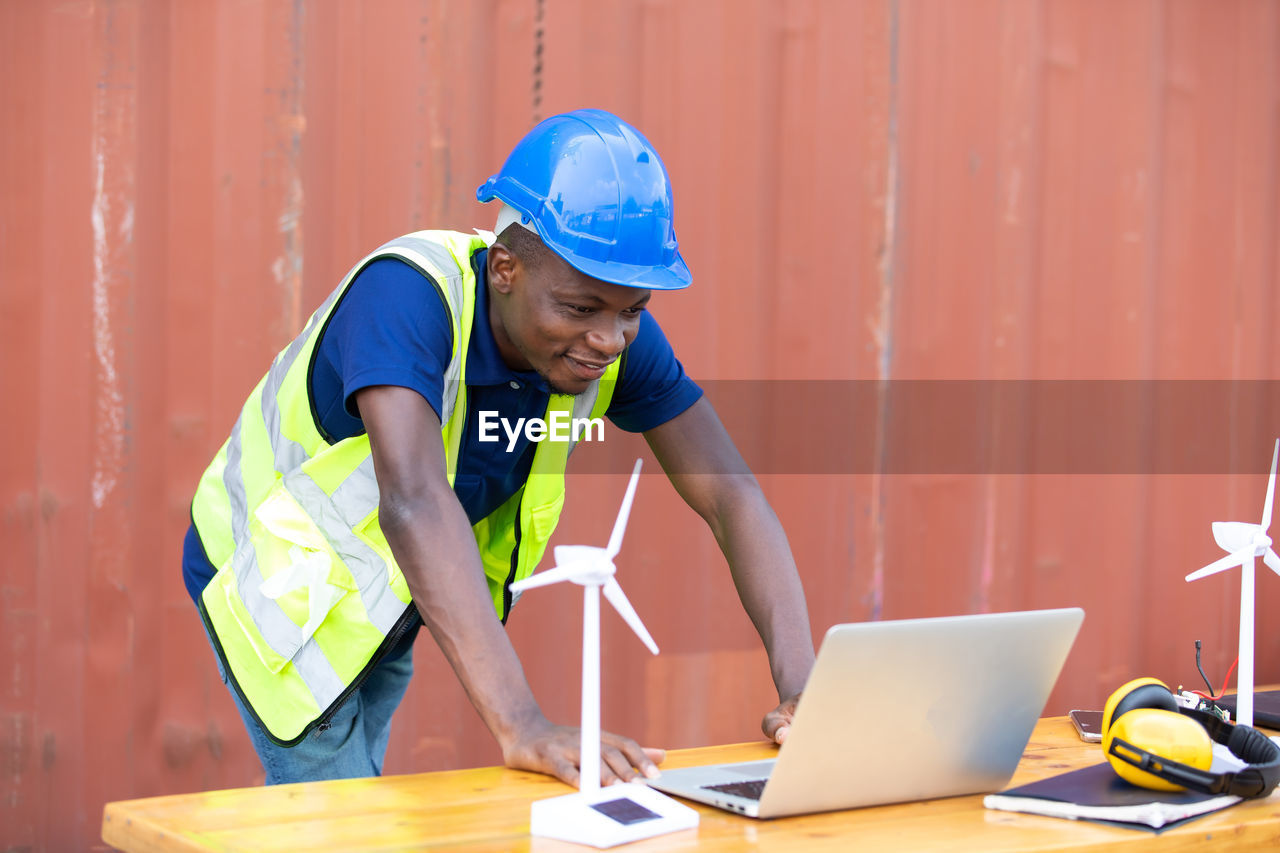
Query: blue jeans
x=355 y=742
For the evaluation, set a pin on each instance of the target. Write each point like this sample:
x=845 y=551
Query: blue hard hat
x=599 y=197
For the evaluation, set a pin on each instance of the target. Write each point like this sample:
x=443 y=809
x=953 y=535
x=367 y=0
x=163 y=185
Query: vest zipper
x=515 y=552
x=402 y=626
x=515 y=563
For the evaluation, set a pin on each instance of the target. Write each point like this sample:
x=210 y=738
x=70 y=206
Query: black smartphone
x=1088 y=724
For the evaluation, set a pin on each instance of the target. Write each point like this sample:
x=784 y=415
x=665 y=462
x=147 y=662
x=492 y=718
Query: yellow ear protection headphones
x=1154 y=743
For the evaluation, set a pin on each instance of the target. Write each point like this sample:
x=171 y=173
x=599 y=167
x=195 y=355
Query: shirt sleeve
x=391 y=328
x=654 y=387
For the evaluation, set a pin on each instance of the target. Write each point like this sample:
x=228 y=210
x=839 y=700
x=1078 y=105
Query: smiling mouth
x=588 y=369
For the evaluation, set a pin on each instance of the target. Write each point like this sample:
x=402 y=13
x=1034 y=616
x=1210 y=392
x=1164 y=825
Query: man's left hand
x=777 y=723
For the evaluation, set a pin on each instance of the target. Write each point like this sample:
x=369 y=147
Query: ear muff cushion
x=1138 y=693
x=1166 y=736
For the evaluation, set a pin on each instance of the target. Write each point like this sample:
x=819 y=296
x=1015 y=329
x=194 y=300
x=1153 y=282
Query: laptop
x=901 y=710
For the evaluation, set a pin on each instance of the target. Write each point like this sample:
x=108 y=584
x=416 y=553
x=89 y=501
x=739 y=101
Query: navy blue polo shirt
x=391 y=327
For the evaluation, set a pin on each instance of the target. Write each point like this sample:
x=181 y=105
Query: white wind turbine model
x=601 y=817
x=1245 y=543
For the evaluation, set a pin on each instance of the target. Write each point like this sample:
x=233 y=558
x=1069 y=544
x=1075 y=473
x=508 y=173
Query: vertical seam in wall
x=1037 y=181
x=884 y=365
x=418 y=213
x=1269 y=264
x=1235 y=273
x=111 y=220
x=286 y=269
x=539 y=16
x=1154 y=199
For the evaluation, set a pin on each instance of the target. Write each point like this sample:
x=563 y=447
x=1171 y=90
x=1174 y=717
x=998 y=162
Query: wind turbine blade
x=620 y=526
x=1233 y=536
x=550 y=576
x=1271 y=488
x=574 y=555
x=1227 y=562
x=1272 y=559
x=618 y=599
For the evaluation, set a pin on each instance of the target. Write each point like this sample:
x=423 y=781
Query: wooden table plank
x=487 y=809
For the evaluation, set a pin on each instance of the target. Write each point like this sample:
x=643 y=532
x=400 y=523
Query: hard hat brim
x=676 y=276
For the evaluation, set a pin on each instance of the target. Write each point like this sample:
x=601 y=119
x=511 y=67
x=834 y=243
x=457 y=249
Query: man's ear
x=503 y=267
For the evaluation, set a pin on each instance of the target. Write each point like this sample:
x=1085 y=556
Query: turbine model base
x=616 y=814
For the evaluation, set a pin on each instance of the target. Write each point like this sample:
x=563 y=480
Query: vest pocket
x=273 y=651
x=544 y=518
x=542 y=523
x=299 y=577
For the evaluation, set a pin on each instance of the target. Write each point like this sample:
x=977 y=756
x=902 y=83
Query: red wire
x=1225 y=682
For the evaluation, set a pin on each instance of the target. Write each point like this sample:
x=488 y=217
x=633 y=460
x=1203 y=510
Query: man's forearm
x=764 y=572
x=434 y=546
x=748 y=532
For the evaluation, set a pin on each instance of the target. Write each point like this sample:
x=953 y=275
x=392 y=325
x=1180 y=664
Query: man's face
x=561 y=323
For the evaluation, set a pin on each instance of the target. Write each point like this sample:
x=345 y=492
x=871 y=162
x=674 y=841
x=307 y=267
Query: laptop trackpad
x=753 y=770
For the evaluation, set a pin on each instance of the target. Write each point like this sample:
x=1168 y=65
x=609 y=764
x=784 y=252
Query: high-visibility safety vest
x=308 y=596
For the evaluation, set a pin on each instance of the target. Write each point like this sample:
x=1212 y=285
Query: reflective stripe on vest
x=307 y=503
x=360 y=490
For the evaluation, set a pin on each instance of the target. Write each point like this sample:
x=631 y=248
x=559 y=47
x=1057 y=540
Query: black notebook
x=1266 y=708
x=1097 y=794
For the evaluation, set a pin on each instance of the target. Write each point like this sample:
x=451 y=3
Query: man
x=357 y=495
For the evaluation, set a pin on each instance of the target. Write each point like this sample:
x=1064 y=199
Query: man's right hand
x=555 y=750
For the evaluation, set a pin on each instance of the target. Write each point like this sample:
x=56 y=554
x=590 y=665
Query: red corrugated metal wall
x=866 y=191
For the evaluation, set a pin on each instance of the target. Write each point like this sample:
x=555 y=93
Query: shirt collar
x=484 y=362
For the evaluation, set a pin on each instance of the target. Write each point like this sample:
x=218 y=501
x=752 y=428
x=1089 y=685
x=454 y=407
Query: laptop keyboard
x=748 y=790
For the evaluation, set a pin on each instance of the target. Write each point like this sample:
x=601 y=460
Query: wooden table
x=487 y=809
